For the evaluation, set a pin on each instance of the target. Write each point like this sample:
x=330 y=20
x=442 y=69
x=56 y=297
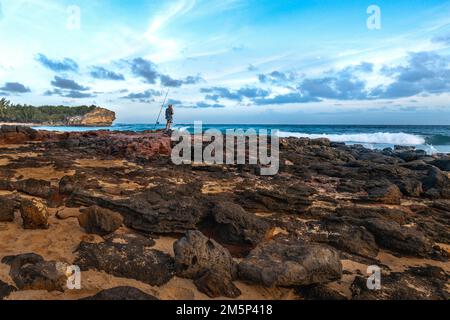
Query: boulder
x=391 y=235
x=231 y=224
x=5 y=289
x=31 y=272
x=291 y=263
x=344 y=236
x=99 y=221
x=121 y=294
x=127 y=256
x=7 y=209
x=195 y=253
x=34 y=214
x=216 y=284
x=384 y=193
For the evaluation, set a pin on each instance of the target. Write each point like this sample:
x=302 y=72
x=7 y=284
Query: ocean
x=432 y=139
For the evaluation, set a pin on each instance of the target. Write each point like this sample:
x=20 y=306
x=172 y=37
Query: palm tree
x=4 y=105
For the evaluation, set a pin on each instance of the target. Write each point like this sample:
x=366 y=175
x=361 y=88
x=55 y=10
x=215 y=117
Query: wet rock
x=344 y=236
x=291 y=263
x=231 y=224
x=443 y=164
x=34 y=187
x=416 y=283
x=437 y=184
x=34 y=214
x=216 y=284
x=393 y=236
x=31 y=272
x=5 y=289
x=195 y=253
x=127 y=256
x=121 y=294
x=7 y=209
x=99 y=220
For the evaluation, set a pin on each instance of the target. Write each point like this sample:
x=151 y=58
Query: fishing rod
x=162 y=107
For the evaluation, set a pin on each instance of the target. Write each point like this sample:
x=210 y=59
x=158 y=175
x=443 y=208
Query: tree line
x=44 y=114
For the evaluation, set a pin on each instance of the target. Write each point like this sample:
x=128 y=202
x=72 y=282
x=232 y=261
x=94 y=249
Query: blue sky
x=232 y=61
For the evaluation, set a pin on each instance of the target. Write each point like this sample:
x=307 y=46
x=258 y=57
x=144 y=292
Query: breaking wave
x=376 y=138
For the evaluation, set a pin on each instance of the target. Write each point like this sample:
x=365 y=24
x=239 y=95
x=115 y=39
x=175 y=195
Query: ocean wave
x=376 y=138
x=438 y=139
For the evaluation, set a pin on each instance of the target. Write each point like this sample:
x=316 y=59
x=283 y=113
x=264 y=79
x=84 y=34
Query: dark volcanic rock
x=100 y=221
x=231 y=224
x=195 y=253
x=320 y=292
x=344 y=236
x=34 y=187
x=17 y=134
x=417 y=283
x=31 y=272
x=34 y=214
x=384 y=193
x=68 y=184
x=283 y=198
x=5 y=289
x=121 y=294
x=443 y=164
x=216 y=284
x=291 y=263
x=7 y=209
x=165 y=209
x=128 y=256
x=393 y=236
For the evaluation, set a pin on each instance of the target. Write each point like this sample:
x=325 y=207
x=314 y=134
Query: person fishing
x=169 y=117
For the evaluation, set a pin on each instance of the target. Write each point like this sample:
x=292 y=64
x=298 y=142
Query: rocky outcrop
x=127 y=256
x=416 y=283
x=99 y=221
x=17 y=134
x=99 y=117
x=5 y=289
x=291 y=263
x=216 y=284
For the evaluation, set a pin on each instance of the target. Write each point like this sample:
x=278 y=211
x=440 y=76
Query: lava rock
x=291 y=263
x=34 y=187
x=31 y=272
x=216 y=284
x=121 y=294
x=5 y=289
x=195 y=253
x=393 y=236
x=128 y=256
x=231 y=224
x=99 y=221
x=7 y=209
x=34 y=214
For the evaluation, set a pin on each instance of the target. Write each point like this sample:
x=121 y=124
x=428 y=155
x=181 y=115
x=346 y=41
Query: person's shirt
x=169 y=113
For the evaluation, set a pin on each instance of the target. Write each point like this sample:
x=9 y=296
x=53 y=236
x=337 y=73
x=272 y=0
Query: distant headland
x=84 y=116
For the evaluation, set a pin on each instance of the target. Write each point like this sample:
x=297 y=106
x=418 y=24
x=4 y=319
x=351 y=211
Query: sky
x=232 y=61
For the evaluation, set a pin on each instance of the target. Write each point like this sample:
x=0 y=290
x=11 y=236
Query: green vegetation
x=45 y=114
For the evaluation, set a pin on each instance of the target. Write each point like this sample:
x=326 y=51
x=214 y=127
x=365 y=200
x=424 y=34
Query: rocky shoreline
x=140 y=227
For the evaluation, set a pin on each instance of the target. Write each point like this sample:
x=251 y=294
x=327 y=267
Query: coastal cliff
x=98 y=117
x=88 y=116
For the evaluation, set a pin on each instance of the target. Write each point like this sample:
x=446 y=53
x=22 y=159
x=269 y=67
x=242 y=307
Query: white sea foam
x=376 y=138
